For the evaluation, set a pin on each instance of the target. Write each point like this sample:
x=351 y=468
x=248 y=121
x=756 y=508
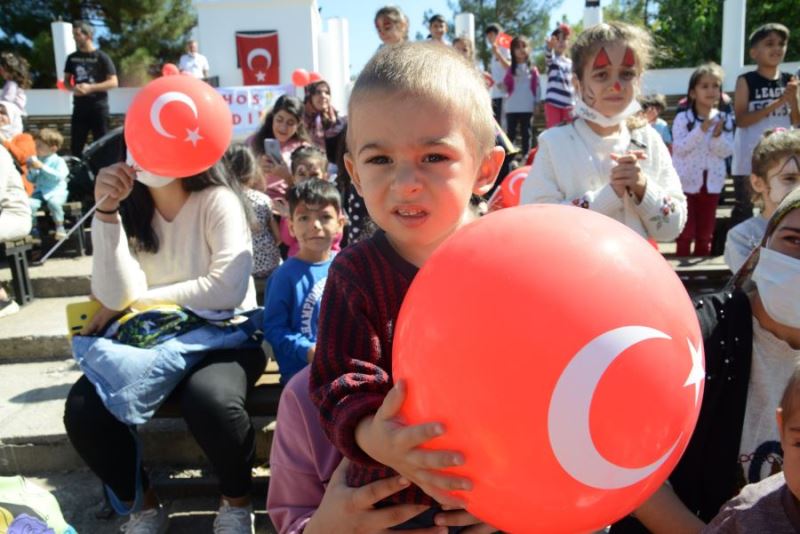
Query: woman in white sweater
x=600 y=162
x=184 y=242
x=15 y=215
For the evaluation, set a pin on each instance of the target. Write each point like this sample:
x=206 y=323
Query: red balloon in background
x=567 y=366
x=169 y=69
x=512 y=185
x=178 y=126
x=60 y=85
x=300 y=77
x=314 y=77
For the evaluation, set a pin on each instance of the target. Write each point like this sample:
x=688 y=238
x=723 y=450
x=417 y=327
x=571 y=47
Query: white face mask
x=147 y=178
x=584 y=111
x=777 y=277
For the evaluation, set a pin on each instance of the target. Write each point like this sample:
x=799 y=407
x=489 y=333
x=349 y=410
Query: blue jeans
x=55 y=205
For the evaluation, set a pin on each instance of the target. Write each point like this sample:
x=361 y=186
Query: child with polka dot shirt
x=702 y=139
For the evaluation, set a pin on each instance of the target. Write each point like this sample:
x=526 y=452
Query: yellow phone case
x=79 y=314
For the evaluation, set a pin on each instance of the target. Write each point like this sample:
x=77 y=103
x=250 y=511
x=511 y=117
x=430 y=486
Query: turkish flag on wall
x=258 y=57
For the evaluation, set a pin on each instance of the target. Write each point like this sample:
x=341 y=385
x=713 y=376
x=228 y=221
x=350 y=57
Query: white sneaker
x=152 y=521
x=234 y=520
x=8 y=307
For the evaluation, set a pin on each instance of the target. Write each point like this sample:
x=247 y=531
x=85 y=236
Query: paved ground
x=80 y=496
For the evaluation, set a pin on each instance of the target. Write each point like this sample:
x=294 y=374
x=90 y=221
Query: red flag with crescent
x=258 y=57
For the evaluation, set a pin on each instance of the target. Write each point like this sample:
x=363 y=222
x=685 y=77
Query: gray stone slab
x=37 y=331
x=61 y=277
x=80 y=495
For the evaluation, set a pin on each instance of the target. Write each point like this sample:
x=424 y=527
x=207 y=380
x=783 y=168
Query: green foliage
x=688 y=33
x=784 y=11
x=530 y=18
x=139 y=35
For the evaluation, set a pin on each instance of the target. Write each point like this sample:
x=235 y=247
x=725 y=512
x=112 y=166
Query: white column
x=592 y=14
x=733 y=40
x=63 y=45
x=334 y=59
x=465 y=26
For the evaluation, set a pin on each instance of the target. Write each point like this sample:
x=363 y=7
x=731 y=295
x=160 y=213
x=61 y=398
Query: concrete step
x=58 y=277
x=80 y=497
x=37 y=332
x=33 y=438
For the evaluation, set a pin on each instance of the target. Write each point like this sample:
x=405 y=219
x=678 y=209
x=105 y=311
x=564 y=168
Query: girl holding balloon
x=603 y=161
x=186 y=242
x=283 y=123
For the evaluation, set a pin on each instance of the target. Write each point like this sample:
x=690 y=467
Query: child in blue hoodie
x=48 y=173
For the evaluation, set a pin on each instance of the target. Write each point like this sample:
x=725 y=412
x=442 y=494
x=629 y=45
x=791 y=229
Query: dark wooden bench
x=76 y=244
x=16 y=250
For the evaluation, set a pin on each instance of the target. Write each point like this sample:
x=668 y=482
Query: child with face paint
x=751 y=338
x=600 y=162
x=702 y=139
x=522 y=83
x=776 y=173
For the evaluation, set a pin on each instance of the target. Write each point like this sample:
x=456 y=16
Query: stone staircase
x=37 y=372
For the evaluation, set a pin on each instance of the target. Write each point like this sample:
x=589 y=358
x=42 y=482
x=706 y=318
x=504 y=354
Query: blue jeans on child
x=55 y=204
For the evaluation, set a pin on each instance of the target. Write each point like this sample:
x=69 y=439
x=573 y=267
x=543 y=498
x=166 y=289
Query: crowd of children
x=339 y=213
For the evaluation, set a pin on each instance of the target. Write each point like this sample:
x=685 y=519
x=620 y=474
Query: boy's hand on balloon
x=398 y=446
x=626 y=176
x=344 y=510
x=456 y=517
x=113 y=185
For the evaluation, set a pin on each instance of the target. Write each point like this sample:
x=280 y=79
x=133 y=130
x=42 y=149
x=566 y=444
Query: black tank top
x=763 y=91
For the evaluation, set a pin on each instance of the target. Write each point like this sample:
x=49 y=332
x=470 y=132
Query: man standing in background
x=193 y=62
x=92 y=73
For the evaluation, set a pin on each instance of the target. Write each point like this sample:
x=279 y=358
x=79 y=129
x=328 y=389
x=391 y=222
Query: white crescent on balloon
x=163 y=100
x=256 y=52
x=568 y=415
x=519 y=178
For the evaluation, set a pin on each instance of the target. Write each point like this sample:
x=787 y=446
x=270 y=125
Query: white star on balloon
x=193 y=136
x=698 y=372
x=261 y=76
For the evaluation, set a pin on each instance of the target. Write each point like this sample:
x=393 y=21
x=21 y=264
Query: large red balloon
x=300 y=77
x=178 y=126
x=567 y=366
x=512 y=185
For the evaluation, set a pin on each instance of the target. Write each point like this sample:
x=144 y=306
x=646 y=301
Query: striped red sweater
x=352 y=368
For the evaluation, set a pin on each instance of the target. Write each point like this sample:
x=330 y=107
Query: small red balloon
x=314 y=77
x=178 y=126
x=300 y=77
x=567 y=366
x=169 y=69
x=60 y=85
x=512 y=185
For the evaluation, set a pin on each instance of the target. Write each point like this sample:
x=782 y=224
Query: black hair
x=514 y=42
x=305 y=153
x=653 y=101
x=291 y=105
x=493 y=27
x=763 y=31
x=242 y=165
x=706 y=69
x=84 y=27
x=314 y=192
x=436 y=18
x=138 y=209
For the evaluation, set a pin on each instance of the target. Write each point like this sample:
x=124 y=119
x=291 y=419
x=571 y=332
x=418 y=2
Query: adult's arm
x=665 y=513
